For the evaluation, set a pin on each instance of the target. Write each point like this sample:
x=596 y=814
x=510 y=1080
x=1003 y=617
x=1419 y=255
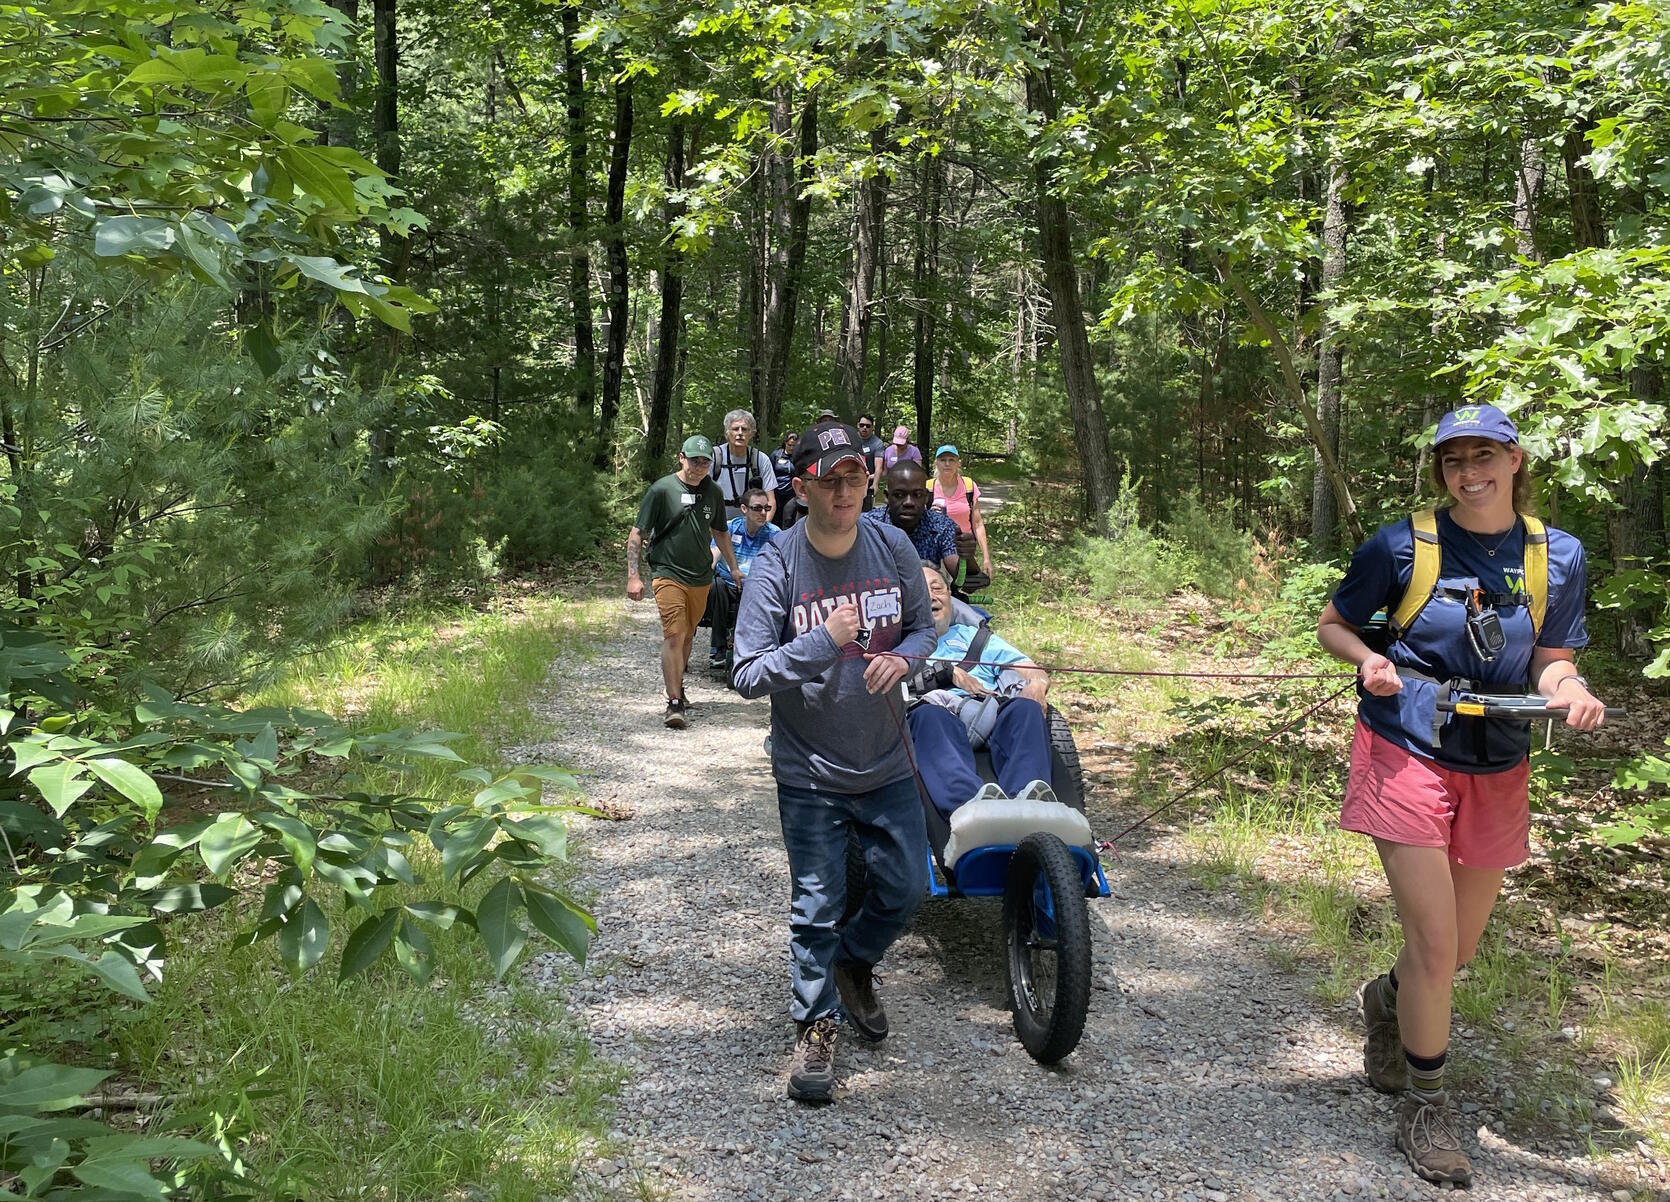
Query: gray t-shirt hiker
x=827 y=730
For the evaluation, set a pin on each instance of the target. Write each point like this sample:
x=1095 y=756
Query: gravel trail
x=1205 y=1073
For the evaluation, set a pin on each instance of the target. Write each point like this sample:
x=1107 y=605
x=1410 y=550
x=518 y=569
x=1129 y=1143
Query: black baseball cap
x=824 y=447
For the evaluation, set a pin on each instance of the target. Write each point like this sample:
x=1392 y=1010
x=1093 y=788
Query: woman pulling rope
x=1480 y=595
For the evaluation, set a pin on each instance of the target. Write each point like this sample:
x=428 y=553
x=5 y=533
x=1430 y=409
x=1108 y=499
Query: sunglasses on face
x=757 y=508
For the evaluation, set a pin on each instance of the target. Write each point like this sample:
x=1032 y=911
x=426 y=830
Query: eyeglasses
x=862 y=423
x=757 y=508
x=850 y=481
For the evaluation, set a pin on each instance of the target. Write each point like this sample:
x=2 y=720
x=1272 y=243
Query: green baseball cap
x=698 y=447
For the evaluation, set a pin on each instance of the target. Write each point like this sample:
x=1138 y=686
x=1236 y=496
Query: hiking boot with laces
x=812 y=1071
x=675 y=713
x=1383 y=1058
x=857 y=986
x=1426 y=1134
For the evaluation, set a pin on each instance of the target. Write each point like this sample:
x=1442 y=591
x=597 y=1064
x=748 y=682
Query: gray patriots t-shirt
x=827 y=731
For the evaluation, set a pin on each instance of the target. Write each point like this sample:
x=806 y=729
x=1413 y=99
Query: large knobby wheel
x=1066 y=775
x=1046 y=932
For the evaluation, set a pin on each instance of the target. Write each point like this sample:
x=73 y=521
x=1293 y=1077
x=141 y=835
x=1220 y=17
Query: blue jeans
x=1019 y=746
x=894 y=836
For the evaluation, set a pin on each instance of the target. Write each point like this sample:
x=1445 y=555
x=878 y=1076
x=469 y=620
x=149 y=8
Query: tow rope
x=1195 y=786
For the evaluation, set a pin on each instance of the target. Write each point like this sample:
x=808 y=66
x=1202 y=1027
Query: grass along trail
x=1209 y=1068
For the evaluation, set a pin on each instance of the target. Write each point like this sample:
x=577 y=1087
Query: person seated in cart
x=997 y=702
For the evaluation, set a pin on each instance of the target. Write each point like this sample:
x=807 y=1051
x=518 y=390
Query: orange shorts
x=681 y=607
x=1483 y=821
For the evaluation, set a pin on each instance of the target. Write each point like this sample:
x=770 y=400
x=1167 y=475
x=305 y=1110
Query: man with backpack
x=739 y=465
x=681 y=516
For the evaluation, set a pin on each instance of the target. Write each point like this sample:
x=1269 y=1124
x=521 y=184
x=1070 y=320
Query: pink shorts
x=1484 y=821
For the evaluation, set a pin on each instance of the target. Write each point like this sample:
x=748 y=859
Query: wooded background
x=303 y=296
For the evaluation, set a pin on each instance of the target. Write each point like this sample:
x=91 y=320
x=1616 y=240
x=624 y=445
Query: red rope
x=1108 y=844
x=1067 y=668
x=1208 y=779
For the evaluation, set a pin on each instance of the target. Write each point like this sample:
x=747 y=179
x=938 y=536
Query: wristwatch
x=1582 y=680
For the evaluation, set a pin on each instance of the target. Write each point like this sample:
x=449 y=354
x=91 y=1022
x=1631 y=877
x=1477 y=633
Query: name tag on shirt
x=879 y=606
x=688 y=499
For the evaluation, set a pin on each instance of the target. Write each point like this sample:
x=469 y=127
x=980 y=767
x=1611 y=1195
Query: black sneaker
x=718 y=662
x=675 y=713
x=857 y=986
x=812 y=1071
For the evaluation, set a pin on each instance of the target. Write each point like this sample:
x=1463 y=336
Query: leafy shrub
x=102 y=869
x=1201 y=547
x=1131 y=563
x=1221 y=560
x=1288 y=626
x=543 y=511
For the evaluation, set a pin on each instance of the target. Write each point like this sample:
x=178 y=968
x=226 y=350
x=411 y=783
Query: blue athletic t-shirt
x=1437 y=643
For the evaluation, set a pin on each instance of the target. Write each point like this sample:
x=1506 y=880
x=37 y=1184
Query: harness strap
x=976 y=646
x=1423 y=524
x=1536 y=571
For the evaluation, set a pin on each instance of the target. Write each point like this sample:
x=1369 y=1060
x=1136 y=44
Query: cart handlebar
x=1508 y=705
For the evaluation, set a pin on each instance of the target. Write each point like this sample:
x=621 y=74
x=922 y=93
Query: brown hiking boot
x=856 y=984
x=675 y=713
x=1426 y=1134
x=812 y=1071
x=1383 y=1058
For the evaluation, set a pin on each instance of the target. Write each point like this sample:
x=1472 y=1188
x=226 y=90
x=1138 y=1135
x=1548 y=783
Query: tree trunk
x=759 y=235
x=1588 y=224
x=579 y=256
x=925 y=286
x=385 y=126
x=614 y=214
x=1078 y=369
x=1296 y=393
x=1324 y=513
x=790 y=214
x=857 y=314
x=339 y=122
x=394 y=250
x=672 y=300
x=1528 y=195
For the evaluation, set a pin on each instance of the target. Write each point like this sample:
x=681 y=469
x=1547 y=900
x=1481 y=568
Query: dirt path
x=1205 y=1073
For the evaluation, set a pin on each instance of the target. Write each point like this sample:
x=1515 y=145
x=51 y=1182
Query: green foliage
x=158 y=134
x=543 y=508
x=1199 y=549
x=1222 y=559
x=48 y=1155
x=181 y=514
x=102 y=863
x=1131 y=564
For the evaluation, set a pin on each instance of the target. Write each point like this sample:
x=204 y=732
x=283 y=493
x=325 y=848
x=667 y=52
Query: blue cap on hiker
x=948 y=449
x=1476 y=421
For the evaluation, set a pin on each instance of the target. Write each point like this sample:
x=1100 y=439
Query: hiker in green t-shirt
x=679 y=518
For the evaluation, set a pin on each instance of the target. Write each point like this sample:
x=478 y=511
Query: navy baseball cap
x=1476 y=421
x=826 y=446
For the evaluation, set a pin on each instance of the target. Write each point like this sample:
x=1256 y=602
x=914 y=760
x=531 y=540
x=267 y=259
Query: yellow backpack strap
x=1423 y=524
x=1536 y=571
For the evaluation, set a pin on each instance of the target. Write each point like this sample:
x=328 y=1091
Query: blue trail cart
x=1044 y=882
